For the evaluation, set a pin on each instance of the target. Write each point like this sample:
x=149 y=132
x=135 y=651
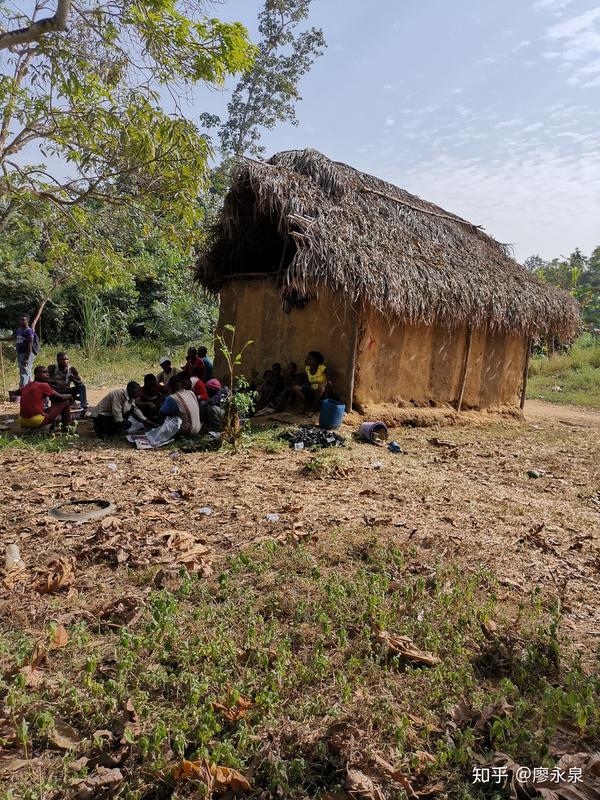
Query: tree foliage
x=143 y=282
x=578 y=274
x=86 y=107
x=268 y=93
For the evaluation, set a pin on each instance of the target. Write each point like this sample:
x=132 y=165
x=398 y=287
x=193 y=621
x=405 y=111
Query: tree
x=577 y=274
x=534 y=263
x=141 y=282
x=85 y=92
x=268 y=93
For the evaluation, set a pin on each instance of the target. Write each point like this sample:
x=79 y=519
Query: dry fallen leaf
x=61 y=575
x=361 y=786
x=233 y=713
x=120 y=612
x=130 y=719
x=10 y=764
x=405 y=647
x=99 y=783
x=63 y=735
x=587 y=786
x=218 y=780
x=110 y=524
x=227 y=779
x=32 y=675
x=394 y=774
x=193 y=770
x=60 y=638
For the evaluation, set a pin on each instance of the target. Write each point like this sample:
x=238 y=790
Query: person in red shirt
x=32 y=413
x=199 y=389
x=194 y=365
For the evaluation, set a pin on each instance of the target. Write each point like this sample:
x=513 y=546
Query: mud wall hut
x=409 y=303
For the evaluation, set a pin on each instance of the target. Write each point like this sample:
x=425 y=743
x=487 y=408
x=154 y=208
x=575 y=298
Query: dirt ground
x=459 y=493
x=538 y=410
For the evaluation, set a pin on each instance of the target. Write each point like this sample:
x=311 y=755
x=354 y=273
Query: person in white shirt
x=112 y=412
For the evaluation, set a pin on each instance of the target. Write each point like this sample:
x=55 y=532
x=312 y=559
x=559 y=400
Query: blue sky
x=490 y=108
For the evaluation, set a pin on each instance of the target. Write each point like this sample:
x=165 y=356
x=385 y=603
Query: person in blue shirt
x=208 y=364
x=25 y=341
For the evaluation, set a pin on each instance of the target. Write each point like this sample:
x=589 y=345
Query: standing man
x=32 y=413
x=26 y=344
x=62 y=375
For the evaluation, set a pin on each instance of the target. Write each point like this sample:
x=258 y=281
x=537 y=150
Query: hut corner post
x=465 y=369
x=526 y=372
x=352 y=360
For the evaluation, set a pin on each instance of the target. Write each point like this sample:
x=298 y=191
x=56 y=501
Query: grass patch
x=41 y=442
x=326 y=465
x=266 y=668
x=266 y=439
x=576 y=374
x=111 y=366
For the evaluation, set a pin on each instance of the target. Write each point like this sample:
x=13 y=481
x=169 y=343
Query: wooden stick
x=242 y=275
x=463 y=378
x=352 y=365
x=4 y=395
x=526 y=371
x=391 y=197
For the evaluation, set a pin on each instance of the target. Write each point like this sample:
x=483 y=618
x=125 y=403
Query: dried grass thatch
x=376 y=243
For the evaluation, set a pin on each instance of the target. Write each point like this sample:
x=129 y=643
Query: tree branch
x=35 y=31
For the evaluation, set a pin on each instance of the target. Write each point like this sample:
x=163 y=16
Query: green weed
x=288 y=631
x=576 y=374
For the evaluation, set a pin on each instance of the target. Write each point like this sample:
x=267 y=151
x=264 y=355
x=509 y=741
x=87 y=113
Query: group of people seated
x=279 y=389
x=189 y=392
x=51 y=394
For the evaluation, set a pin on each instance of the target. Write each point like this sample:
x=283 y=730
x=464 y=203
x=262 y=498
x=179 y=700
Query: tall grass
x=95 y=326
x=105 y=367
x=572 y=377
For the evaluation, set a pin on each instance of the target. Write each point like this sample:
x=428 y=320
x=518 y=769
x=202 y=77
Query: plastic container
x=332 y=414
x=374 y=432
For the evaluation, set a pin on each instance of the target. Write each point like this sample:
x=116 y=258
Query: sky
x=489 y=108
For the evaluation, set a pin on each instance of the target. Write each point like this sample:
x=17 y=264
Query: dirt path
x=540 y=411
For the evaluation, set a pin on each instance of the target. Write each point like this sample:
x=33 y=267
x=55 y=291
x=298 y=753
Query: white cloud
x=390 y=122
x=537 y=199
x=509 y=123
x=487 y=60
x=388 y=87
x=521 y=46
x=579 y=41
x=551 y=5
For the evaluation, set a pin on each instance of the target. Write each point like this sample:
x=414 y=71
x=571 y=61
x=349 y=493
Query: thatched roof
x=376 y=243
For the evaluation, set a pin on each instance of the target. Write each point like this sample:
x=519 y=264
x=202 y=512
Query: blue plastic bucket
x=332 y=414
x=374 y=432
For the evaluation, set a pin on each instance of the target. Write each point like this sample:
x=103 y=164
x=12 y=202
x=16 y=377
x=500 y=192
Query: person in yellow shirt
x=315 y=380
